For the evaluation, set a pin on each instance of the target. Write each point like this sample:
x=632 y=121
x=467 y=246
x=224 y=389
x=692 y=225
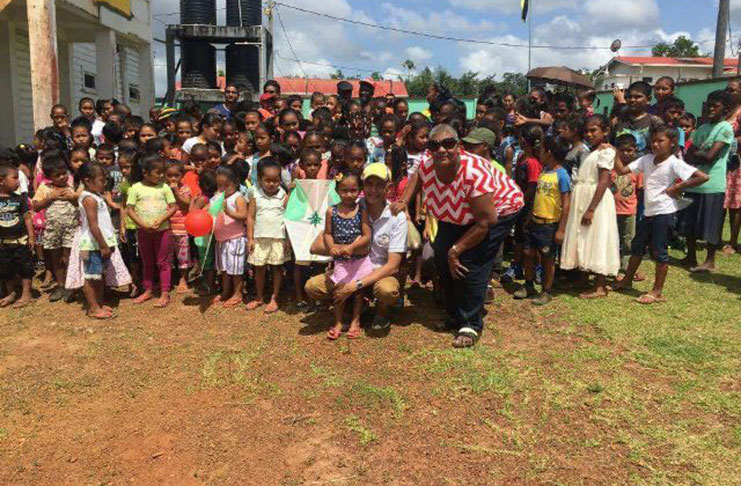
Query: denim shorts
x=541 y=237
x=654 y=231
x=92 y=265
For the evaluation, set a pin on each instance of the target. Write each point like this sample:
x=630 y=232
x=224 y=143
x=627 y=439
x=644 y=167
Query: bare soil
x=196 y=395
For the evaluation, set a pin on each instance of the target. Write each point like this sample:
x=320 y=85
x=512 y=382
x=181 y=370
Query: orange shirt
x=190 y=179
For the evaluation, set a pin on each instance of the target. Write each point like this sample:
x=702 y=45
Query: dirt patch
x=215 y=397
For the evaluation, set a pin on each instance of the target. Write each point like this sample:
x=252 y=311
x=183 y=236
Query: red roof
x=674 y=61
x=303 y=86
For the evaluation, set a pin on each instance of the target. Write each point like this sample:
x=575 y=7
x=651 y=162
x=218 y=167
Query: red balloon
x=198 y=222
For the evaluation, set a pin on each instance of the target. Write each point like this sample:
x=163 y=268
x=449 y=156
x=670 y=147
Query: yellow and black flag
x=524 y=4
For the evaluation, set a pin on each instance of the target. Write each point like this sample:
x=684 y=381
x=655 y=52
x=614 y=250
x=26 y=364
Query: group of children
x=604 y=191
x=103 y=200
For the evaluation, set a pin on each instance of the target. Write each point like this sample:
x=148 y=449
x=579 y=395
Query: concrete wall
x=693 y=94
x=80 y=25
x=622 y=73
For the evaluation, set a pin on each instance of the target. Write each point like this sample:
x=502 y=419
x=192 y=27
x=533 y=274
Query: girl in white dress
x=591 y=243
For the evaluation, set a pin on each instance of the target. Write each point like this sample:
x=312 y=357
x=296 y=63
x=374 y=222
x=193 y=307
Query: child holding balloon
x=150 y=204
x=199 y=223
x=230 y=234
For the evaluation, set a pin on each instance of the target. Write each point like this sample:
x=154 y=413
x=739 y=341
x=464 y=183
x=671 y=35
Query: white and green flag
x=305 y=215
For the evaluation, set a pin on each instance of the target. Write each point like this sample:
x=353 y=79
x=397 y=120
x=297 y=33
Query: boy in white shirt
x=661 y=169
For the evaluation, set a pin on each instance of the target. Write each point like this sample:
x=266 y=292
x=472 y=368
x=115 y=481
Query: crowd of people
x=435 y=199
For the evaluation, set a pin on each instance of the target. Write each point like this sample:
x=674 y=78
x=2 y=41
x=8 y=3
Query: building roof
x=305 y=87
x=730 y=63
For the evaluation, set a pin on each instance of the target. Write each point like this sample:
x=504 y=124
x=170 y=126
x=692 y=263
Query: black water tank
x=198 y=12
x=199 y=64
x=243 y=12
x=242 y=67
x=198 y=57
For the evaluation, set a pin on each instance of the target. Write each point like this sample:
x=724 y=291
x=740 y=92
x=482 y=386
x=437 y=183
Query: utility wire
x=325 y=64
x=288 y=40
x=447 y=38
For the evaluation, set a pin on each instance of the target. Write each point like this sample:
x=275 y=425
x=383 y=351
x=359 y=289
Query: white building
x=621 y=71
x=84 y=48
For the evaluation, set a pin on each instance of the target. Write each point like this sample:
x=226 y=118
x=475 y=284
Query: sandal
x=648 y=299
x=232 y=302
x=102 y=316
x=254 y=304
x=466 y=338
x=162 y=302
x=729 y=250
x=354 y=333
x=9 y=300
x=592 y=295
x=618 y=286
x=334 y=334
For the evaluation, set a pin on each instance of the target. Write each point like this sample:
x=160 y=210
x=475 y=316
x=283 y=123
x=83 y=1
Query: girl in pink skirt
x=347 y=234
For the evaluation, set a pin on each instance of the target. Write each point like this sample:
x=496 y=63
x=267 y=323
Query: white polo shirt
x=659 y=178
x=389 y=236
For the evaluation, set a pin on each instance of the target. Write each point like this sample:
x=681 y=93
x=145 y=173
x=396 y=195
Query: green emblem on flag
x=305 y=214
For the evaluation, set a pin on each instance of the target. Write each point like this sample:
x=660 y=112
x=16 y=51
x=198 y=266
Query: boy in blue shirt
x=547 y=222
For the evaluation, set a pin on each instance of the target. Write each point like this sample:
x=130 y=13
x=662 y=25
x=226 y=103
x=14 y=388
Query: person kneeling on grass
x=660 y=171
x=388 y=245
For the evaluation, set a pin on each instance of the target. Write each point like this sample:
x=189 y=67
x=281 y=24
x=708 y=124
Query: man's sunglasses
x=447 y=144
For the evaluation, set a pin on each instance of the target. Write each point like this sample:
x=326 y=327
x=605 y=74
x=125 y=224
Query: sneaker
x=525 y=292
x=68 y=296
x=509 y=275
x=539 y=275
x=543 y=298
x=380 y=323
x=57 y=295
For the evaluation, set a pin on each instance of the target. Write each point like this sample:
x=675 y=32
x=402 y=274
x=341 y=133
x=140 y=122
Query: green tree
x=515 y=83
x=681 y=47
x=337 y=74
x=417 y=85
x=376 y=76
x=468 y=85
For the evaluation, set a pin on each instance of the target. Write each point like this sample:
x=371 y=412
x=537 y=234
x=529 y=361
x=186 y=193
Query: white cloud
x=610 y=16
x=511 y=6
x=418 y=54
x=443 y=22
x=563 y=31
x=392 y=73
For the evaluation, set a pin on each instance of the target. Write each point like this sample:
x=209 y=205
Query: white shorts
x=269 y=251
x=231 y=256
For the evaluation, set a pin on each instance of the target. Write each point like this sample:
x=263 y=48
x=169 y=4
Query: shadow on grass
x=203 y=302
x=732 y=283
x=422 y=310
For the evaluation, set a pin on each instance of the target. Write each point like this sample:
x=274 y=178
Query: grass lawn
x=604 y=392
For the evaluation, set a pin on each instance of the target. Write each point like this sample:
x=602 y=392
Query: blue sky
x=555 y=22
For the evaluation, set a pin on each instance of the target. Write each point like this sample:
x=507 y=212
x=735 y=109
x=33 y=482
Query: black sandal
x=466 y=338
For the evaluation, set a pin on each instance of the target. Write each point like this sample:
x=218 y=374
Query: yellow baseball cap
x=377 y=169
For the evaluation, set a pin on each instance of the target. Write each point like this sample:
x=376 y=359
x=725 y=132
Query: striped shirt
x=451 y=202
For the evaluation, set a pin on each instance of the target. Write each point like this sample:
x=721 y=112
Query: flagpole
x=529 y=40
x=530 y=35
